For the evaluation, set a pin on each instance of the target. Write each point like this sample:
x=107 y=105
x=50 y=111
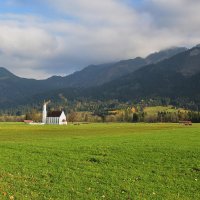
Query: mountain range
x=178 y=76
x=95 y=75
x=170 y=73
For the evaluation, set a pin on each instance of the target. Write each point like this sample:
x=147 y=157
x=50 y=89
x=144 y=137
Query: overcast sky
x=40 y=38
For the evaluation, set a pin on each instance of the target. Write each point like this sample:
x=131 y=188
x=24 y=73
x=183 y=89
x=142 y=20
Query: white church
x=53 y=117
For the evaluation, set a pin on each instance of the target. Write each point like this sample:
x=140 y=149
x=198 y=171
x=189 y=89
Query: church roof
x=54 y=114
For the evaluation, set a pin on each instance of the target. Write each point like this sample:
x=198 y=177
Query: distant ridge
x=96 y=75
x=178 y=76
x=15 y=90
x=5 y=74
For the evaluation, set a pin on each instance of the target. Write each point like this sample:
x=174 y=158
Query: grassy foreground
x=100 y=161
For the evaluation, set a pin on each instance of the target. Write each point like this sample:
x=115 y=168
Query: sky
x=41 y=38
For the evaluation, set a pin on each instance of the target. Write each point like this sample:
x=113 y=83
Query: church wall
x=62 y=118
x=52 y=120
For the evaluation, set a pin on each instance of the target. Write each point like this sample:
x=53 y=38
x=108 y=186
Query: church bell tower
x=44 y=113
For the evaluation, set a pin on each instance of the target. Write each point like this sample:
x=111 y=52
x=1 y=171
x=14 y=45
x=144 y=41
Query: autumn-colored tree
x=72 y=116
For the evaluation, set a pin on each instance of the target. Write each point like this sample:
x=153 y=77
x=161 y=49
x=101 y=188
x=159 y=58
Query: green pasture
x=100 y=161
x=155 y=109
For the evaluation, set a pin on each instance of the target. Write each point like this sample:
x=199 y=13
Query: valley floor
x=100 y=161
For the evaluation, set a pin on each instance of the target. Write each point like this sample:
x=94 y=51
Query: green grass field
x=100 y=161
x=155 y=109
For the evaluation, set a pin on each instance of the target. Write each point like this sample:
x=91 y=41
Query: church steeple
x=44 y=113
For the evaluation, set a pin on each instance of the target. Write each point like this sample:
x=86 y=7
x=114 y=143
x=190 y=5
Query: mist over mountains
x=96 y=75
x=170 y=73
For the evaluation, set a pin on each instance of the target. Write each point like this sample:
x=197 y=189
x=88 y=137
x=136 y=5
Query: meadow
x=99 y=161
x=170 y=109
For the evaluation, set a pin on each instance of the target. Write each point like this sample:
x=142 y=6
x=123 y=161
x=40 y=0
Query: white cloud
x=94 y=31
x=25 y=45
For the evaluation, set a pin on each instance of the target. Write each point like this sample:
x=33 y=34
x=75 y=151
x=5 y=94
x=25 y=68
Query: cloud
x=25 y=45
x=84 y=32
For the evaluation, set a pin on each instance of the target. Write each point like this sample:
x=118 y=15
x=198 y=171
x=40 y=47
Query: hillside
x=12 y=87
x=15 y=90
x=175 y=77
x=96 y=75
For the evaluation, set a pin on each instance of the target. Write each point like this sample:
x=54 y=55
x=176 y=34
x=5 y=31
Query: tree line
x=83 y=110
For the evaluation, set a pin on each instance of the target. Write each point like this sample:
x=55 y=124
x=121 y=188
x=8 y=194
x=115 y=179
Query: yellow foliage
x=133 y=110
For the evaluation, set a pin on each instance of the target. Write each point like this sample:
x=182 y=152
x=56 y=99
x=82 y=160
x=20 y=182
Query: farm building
x=53 y=117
